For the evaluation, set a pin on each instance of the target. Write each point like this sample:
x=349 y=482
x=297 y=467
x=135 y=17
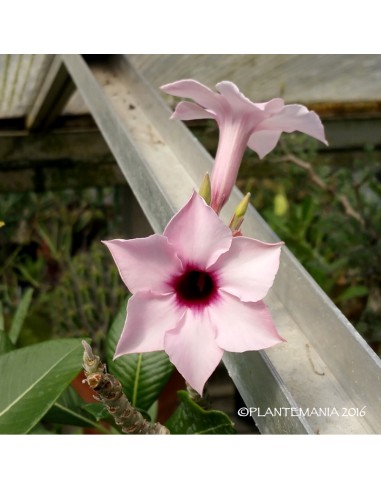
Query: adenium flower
x=241 y=123
x=196 y=291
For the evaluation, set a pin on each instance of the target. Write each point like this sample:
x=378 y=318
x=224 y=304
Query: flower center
x=195 y=286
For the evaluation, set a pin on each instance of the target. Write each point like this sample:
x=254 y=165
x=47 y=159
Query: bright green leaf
x=190 y=418
x=19 y=317
x=32 y=379
x=142 y=376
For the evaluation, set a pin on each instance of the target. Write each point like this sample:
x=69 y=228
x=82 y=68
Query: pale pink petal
x=295 y=117
x=241 y=105
x=271 y=107
x=192 y=348
x=194 y=90
x=243 y=326
x=263 y=142
x=145 y=263
x=197 y=234
x=248 y=270
x=186 y=110
x=149 y=316
x=237 y=101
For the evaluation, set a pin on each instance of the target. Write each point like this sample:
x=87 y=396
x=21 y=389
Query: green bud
x=242 y=206
x=239 y=213
x=280 y=204
x=205 y=190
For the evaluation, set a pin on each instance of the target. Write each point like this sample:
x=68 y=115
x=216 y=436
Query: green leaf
x=40 y=429
x=2 y=328
x=96 y=410
x=32 y=379
x=68 y=410
x=19 y=317
x=5 y=344
x=352 y=292
x=142 y=376
x=190 y=418
x=49 y=243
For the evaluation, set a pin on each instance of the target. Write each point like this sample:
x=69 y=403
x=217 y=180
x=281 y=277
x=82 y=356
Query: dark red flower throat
x=195 y=287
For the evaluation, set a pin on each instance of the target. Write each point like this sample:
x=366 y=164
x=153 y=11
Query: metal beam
x=326 y=368
x=54 y=93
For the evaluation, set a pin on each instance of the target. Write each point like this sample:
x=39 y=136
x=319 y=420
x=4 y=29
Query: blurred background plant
x=51 y=247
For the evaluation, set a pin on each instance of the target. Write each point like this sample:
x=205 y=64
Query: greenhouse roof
x=334 y=82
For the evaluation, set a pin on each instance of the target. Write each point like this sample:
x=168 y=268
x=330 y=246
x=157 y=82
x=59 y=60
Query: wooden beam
x=55 y=161
x=54 y=93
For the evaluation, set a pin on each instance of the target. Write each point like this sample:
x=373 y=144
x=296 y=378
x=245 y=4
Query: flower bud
x=239 y=213
x=205 y=190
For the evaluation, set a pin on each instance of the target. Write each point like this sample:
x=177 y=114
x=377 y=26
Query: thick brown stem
x=109 y=391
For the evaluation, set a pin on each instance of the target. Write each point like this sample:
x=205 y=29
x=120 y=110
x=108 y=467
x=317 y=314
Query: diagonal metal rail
x=325 y=379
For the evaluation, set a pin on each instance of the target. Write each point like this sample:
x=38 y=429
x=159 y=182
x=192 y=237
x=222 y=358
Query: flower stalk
x=109 y=392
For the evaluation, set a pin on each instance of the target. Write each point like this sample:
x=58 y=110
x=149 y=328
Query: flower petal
x=194 y=90
x=240 y=104
x=271 y=107
x=197 y=234
x=149 y=316
x=145 y=263
x=295 y=117
x=248 y=269
x=243 y=326
x=237 y=101
x=186 y=110
x=192 y=348
x=263 y=141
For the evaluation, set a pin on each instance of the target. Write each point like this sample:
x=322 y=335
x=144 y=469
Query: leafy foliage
x=36 y=376
x=191 y=418
x=51 y=243
x=70 y=409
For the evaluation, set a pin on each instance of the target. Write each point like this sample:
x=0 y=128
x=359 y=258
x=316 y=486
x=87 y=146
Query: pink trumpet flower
x=241 y=123
x=196 y=291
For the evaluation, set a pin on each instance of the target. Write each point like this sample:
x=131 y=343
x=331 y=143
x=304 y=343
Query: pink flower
x=241 y=123
x=197 y=291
